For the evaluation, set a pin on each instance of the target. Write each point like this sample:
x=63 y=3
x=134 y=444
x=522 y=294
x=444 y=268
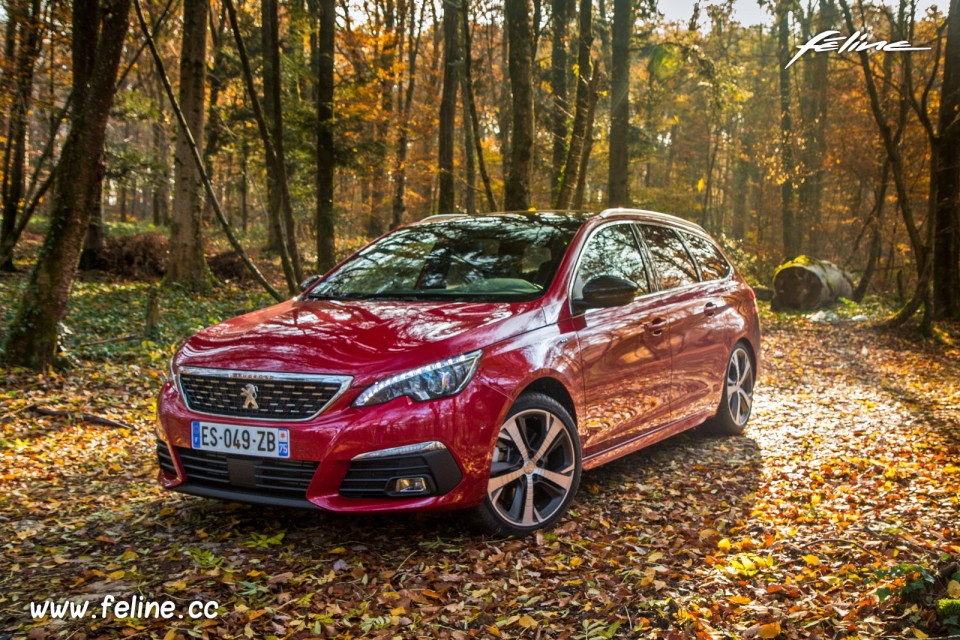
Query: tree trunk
x=161 y=176
x=504 y=110
x=558 y=85
x=516 y=188
x=446 y=196
x=326 y=216
x=277 y=186
x=13 y=182
x=791 y=235
x=618 y=192
x=123 y=203
x=186 y=264
x=741 y=184
x=891 y=145
x=813 y=106
x=572 y=167
x=88 y=24
x=33 y=335
x=403 y=128
x=382 y=123
x=214 y=124
x=578 y=198
x=946 y=174
x=471 y=104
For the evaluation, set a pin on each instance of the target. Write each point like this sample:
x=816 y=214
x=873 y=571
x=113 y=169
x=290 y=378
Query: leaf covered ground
x=835 y=516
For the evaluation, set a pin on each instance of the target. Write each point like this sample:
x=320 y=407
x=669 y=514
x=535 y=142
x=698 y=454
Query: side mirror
x=607 y=291
x=309 y=282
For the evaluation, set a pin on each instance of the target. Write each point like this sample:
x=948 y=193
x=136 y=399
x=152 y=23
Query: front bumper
x=322 y=471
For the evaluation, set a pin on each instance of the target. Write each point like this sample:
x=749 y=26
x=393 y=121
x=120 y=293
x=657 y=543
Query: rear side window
x=670 y=258
x=612 y=251
x=713 y=265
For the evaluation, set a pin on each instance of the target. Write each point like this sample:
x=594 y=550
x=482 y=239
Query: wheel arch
x=751 y=351
x=555 y=389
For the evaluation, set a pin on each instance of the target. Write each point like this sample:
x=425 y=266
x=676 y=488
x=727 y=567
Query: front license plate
x=269 y=442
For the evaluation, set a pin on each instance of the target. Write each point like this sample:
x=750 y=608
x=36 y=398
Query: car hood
x=365 y=339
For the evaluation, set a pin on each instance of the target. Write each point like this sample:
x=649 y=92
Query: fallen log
x=808 y=283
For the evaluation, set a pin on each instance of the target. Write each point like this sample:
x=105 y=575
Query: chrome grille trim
x=342 y=382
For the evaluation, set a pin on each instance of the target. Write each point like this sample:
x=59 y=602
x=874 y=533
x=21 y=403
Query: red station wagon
x=466 y=362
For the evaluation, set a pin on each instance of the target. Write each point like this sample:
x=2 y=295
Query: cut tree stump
x=808 y=283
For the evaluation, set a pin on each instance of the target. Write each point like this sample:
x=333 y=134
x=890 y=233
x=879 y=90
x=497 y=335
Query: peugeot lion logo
x=249 y=393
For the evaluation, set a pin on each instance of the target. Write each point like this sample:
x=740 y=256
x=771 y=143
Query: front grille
x=258 y=395
x=371 y=478
x=286 y=478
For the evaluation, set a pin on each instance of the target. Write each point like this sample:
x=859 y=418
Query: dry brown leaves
x=834 y=516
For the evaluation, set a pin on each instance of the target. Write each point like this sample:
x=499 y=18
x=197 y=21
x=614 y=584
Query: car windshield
x=496 y=258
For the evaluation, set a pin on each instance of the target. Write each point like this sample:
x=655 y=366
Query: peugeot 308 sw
x=466 y=362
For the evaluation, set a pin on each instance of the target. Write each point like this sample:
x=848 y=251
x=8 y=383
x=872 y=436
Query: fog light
x=411 y=486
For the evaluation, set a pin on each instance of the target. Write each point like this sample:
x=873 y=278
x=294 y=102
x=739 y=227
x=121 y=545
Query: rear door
x=624 y=350
x=695 y=310
x=718 y=321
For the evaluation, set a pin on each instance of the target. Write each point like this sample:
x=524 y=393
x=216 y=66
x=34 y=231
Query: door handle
x=655 y=326
x=709 y=309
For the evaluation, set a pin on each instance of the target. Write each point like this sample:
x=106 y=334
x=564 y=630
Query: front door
x=625 y=350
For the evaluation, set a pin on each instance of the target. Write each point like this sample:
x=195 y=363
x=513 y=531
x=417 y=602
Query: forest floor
x=836 y=515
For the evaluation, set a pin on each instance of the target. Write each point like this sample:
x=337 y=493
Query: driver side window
x=612 y=251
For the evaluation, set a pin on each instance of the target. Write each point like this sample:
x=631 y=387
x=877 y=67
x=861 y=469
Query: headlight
x=439 y=380
x=172 y=373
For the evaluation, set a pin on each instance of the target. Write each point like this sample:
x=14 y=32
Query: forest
x=169 y=164
x=299 y=131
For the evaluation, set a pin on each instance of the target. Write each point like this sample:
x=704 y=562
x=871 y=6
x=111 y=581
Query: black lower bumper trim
x=374 y=477
x=234 y=495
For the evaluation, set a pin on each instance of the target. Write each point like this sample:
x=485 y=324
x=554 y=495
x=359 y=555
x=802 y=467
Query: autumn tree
x=32 y=338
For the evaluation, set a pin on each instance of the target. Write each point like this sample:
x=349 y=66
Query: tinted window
x=670 y=258
x=612 y=251
x=713 y=265
x=497 y=257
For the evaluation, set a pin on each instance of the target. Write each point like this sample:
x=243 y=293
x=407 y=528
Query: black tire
x=547 y=472
x=732 y=416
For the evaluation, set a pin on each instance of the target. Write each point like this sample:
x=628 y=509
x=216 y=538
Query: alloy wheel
x=739 y=383
x=533 y=470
